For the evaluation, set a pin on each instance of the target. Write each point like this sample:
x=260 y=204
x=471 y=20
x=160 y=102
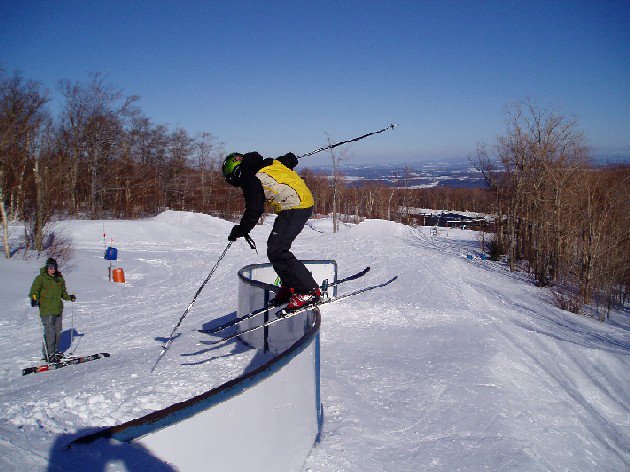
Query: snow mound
x=379 y=229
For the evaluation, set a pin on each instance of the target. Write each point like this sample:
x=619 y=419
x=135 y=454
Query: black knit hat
x=51 y=263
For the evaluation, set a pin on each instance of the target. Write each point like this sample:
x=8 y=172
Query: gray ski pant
x=52 y=333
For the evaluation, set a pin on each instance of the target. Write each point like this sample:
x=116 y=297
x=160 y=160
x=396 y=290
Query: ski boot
x=283 y=295
x=301 y=300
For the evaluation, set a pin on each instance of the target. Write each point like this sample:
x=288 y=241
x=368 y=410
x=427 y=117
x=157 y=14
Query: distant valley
x=456 y=173
x=411 y=175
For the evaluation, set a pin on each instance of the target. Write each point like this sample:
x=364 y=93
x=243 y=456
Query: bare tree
x=536 y=158
x=5 y=222
x=337 y=156
x=40 y=176
x=206 y=155
x=21 y=116
x=92 y=124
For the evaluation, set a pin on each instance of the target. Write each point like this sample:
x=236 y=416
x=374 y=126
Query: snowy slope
x=459 y=365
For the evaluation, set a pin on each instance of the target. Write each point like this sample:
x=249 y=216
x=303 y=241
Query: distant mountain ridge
x=444 y=173
x=412 y=175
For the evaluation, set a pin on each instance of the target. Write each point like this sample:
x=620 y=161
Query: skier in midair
x=47 y=291
x=275 y=181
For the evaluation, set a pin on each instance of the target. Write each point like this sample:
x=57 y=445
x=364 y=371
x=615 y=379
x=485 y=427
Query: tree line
x=101 y=157
x=557 y=215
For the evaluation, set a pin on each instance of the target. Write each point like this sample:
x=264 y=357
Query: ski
x=287 y=314
x=267 y=308
x=63 y=362
x=283 y=314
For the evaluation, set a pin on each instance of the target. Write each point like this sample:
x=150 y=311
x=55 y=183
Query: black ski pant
x=292 y=272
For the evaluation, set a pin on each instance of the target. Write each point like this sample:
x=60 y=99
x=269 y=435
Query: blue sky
x=280 y=76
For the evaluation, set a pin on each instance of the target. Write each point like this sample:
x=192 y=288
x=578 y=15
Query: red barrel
x=118 y=275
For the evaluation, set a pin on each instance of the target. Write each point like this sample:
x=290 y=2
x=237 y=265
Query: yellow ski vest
x=284 y=188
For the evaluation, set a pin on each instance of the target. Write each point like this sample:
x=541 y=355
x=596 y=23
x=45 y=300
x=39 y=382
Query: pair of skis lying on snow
x=63 y=362
x=284 y=314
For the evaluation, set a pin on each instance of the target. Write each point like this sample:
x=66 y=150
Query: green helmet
x=232 y=168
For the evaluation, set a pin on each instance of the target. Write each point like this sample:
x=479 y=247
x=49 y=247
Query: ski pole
x=71 y=329
x=392 y=126
x=170 y=338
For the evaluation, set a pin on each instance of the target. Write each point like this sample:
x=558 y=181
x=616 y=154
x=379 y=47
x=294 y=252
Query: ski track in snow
x=463 y=389
x=457 y=365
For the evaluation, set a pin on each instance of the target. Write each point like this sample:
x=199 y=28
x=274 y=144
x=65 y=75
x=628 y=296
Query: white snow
x=458 y=365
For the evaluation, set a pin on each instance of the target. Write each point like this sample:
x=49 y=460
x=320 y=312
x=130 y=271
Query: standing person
x=275 y=181
x=47 y=291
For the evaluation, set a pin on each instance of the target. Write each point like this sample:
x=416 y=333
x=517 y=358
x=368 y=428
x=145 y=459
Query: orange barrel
x=118 y=275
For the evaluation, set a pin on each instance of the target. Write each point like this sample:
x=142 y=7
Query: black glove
x=289 y=159
x=34 y=302
x=237 y=232
x=73 y=298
